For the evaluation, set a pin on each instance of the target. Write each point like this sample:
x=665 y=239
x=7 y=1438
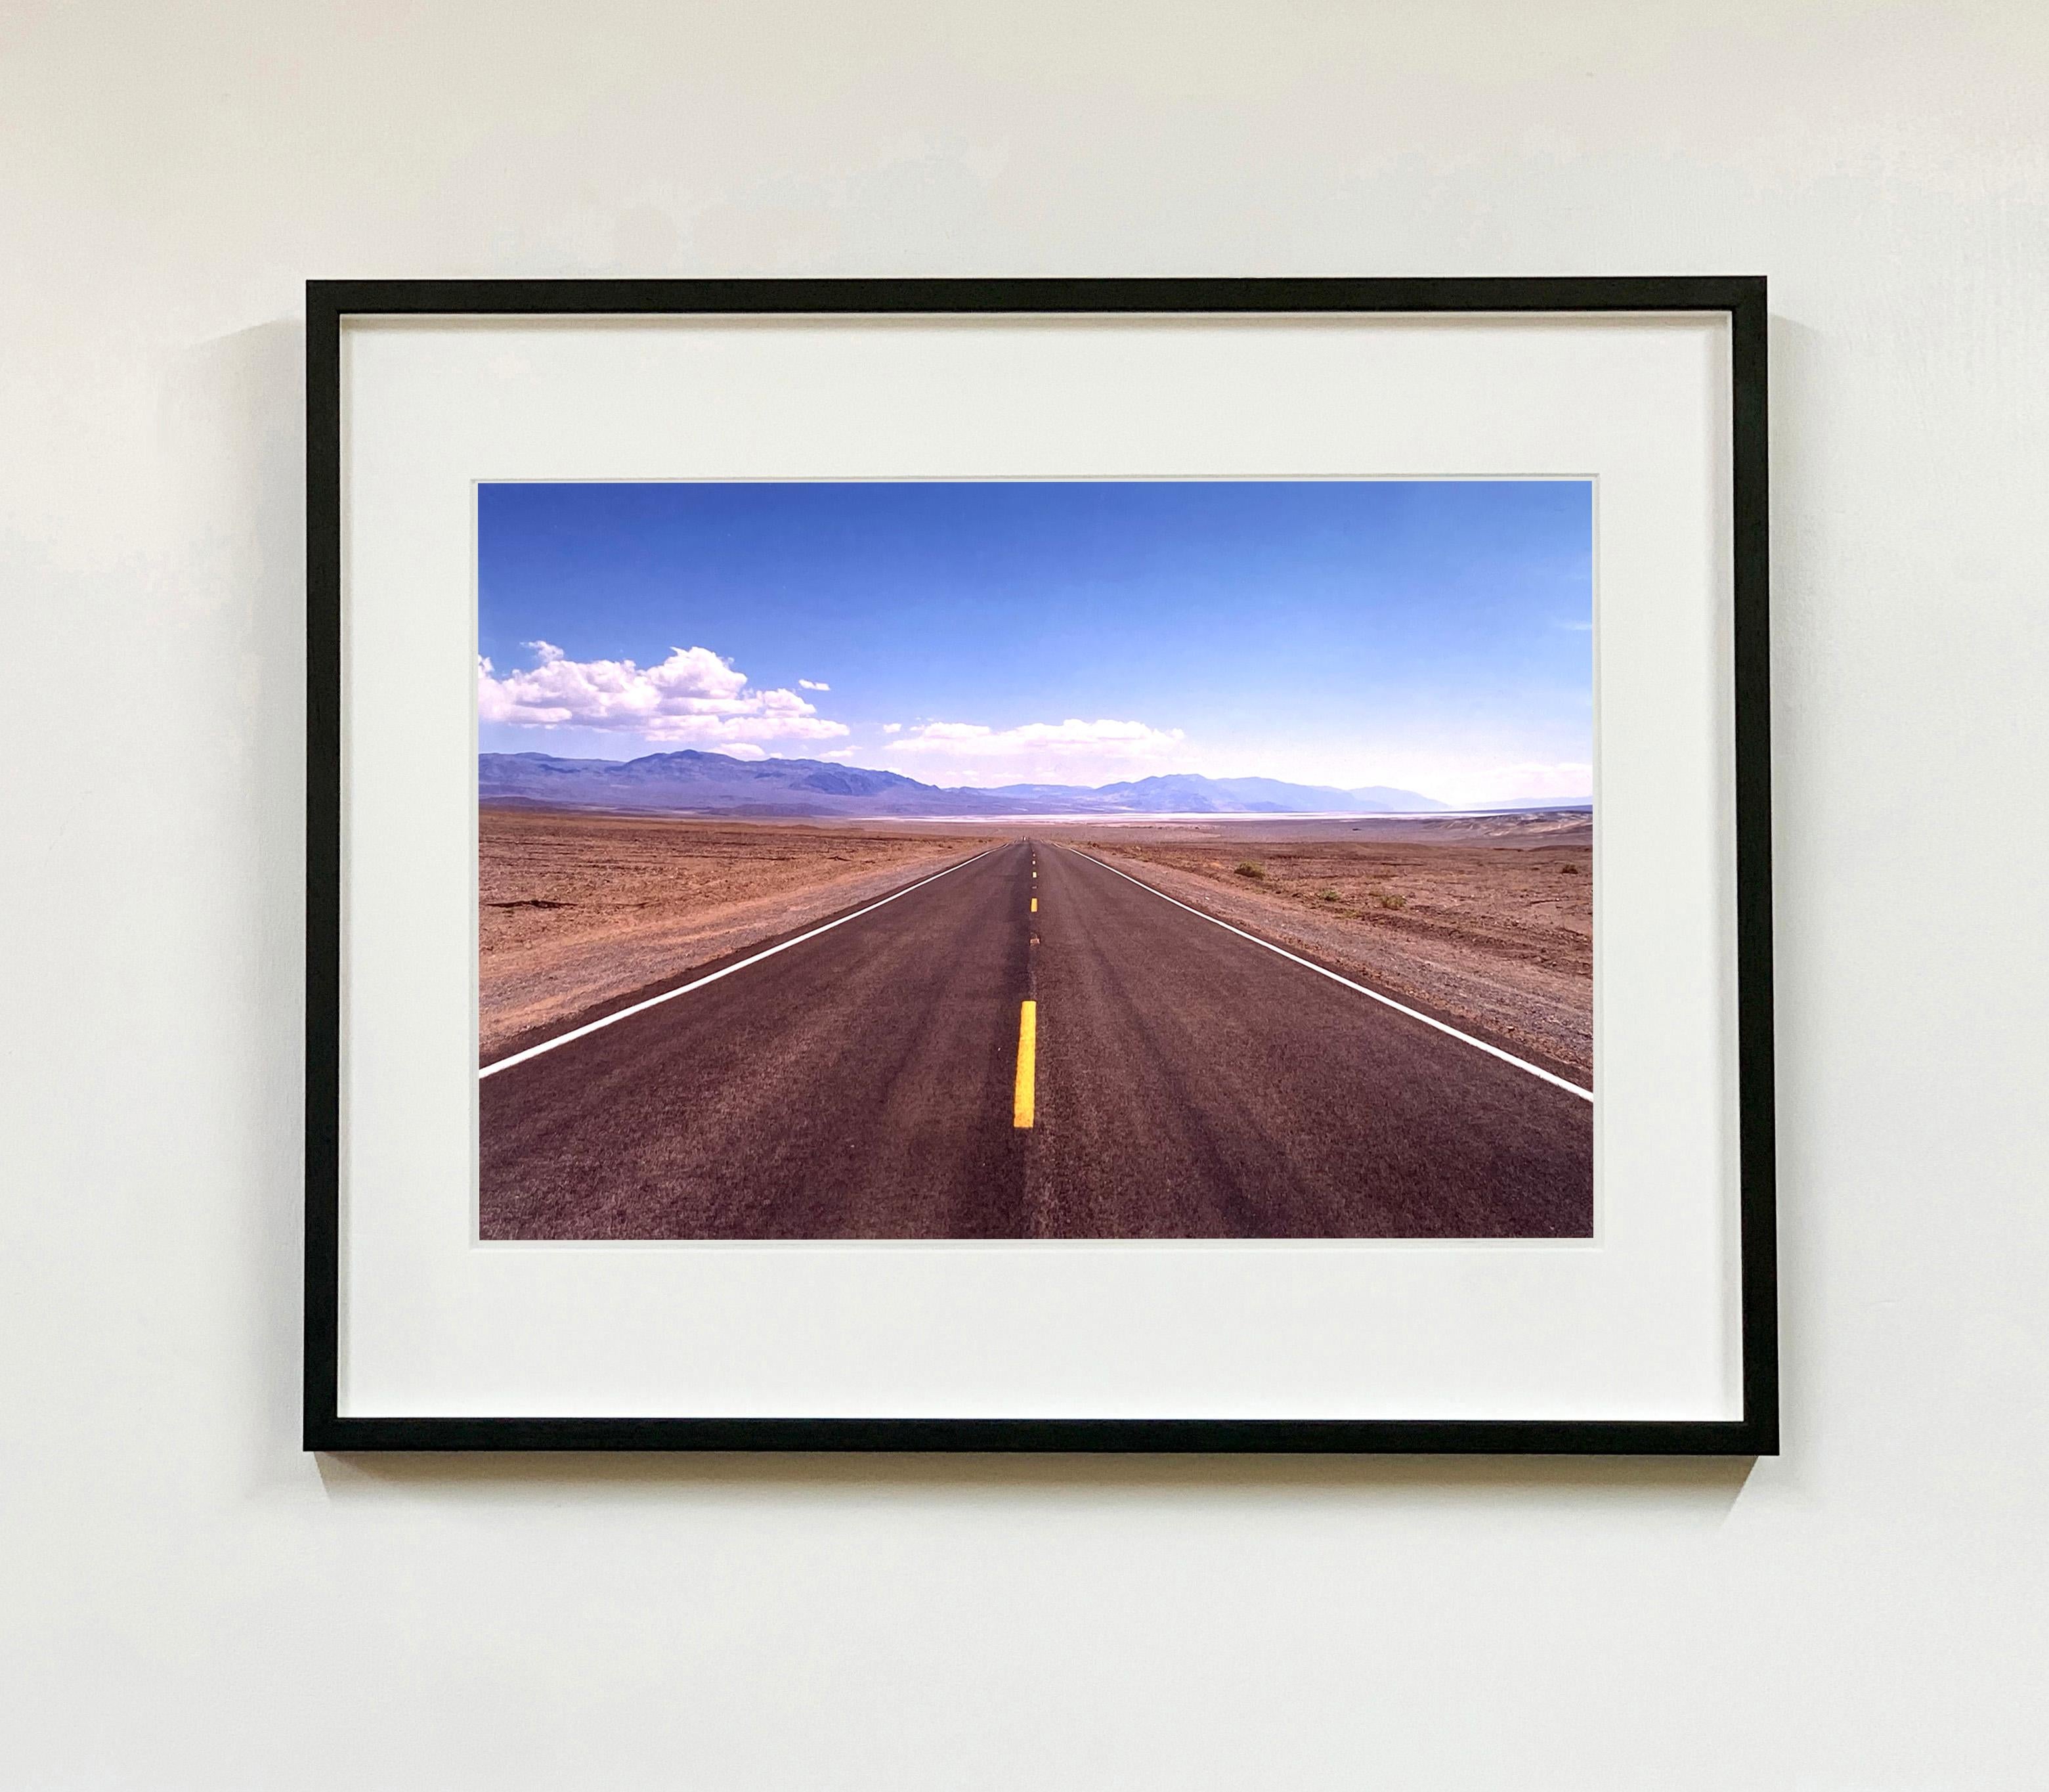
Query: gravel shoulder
x=576 y=909
x=1500 y=937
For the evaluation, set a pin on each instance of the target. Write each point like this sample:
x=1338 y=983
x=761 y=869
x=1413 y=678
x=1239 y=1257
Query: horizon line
x=891 y=771
x=1039 y=783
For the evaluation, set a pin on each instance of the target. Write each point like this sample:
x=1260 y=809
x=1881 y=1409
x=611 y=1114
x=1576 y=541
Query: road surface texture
x=1029 y=1045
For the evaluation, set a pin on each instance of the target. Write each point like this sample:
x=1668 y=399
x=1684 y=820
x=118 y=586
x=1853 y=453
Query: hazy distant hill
x=695 y=782
x=1187 y=793
x=1379 y=799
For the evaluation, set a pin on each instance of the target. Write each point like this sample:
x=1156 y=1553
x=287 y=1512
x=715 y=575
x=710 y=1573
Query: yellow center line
x=1035 y=905
x=1027 y=1065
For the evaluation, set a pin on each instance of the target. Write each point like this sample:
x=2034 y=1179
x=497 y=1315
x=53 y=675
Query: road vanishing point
x=1030 y=1044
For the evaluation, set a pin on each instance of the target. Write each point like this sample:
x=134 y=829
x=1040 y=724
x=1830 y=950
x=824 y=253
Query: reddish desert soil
x=1484 y=921
x=575 y=909
x=1487 y=921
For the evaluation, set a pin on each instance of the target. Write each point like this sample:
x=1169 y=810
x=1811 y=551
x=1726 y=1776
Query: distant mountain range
x=1187 y=793
x=701 y=783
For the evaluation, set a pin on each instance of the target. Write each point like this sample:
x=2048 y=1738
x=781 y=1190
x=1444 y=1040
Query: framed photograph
x=1103 y=865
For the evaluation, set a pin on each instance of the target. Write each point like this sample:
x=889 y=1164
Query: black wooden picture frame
x=1742 y=299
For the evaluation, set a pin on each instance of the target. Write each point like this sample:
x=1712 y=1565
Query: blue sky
x=1435 y=636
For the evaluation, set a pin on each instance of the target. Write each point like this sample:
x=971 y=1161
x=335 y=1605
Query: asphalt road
x=1179 y=1081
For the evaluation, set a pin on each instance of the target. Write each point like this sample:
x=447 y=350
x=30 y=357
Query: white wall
x=185 y=1601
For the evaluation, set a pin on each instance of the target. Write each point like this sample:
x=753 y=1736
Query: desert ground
x=1030 y=1044
x=576 y=910
x=1486 y=922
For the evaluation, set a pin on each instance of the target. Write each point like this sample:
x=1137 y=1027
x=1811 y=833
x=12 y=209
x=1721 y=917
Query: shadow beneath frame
x=1709 y=1485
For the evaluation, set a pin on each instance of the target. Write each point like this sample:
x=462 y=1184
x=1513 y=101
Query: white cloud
x=1070 y=752
x=809 y=684
x=892 y=728
x=692 y=698
x=1135 y=737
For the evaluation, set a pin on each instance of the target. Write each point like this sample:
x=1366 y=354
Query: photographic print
x=1036 y=860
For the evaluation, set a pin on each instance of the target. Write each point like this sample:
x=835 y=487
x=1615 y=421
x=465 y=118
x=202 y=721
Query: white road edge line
x=1388 y=1001
x=670 y=996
